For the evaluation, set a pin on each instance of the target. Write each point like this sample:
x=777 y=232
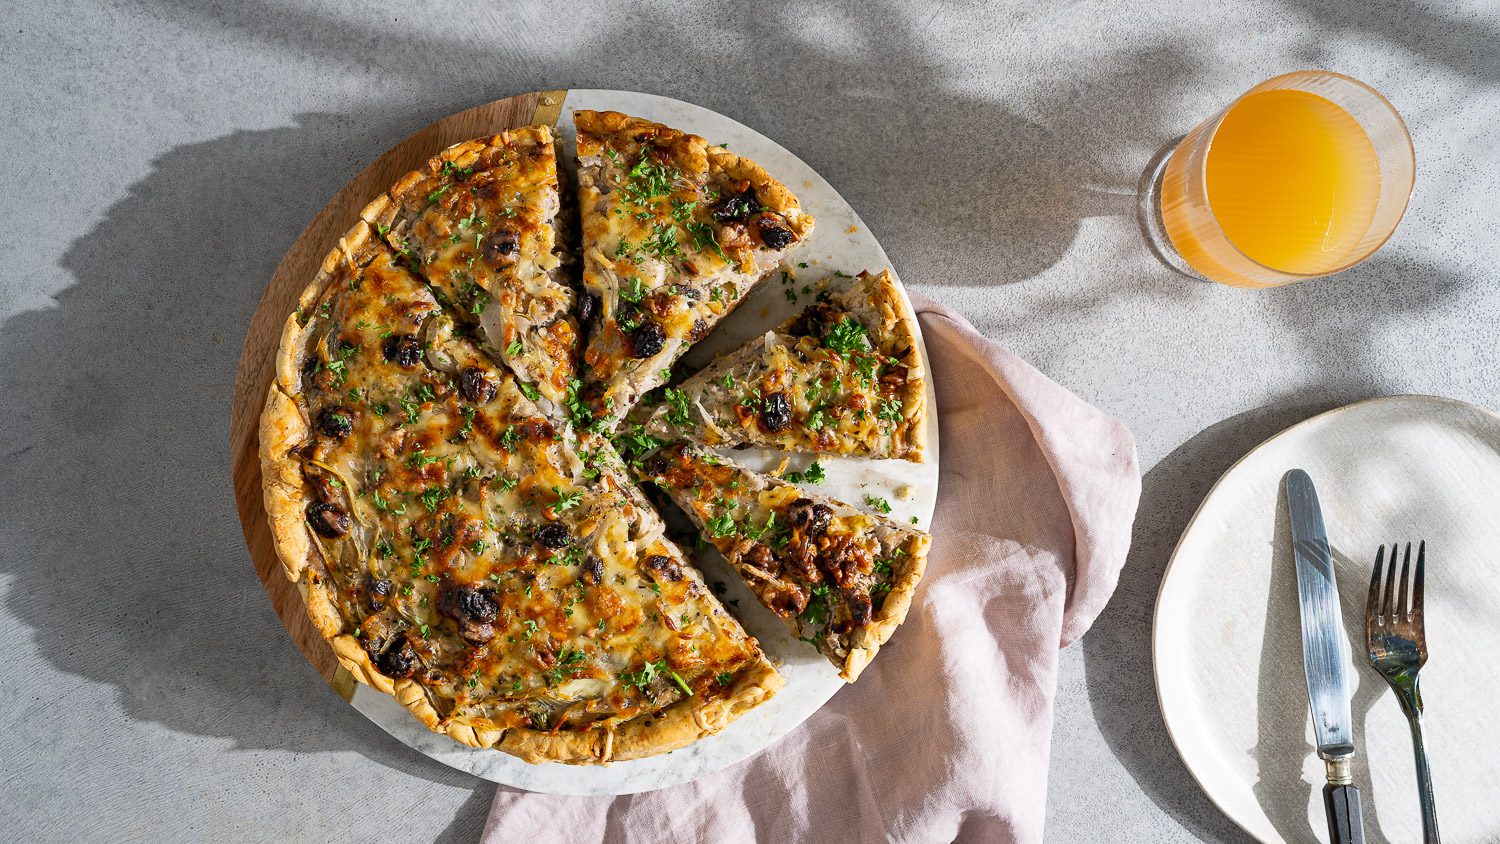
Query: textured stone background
x=160 y=155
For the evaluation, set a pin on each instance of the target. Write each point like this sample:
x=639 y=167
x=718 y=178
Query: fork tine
x=1388 y=603
x=1416 y=593
x=1404 y=583
x=1372 y=606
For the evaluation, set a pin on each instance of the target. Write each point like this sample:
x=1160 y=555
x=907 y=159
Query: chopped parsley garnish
x=880 y=505
x=513 y=349
x=569 y=663
x=649 y=180
x=814 y=474
x=479 y=546
x=643 y=679
x=677 y=412
x=432 y=497
x=724 y=678
x=632 y=290
x=847 y=336
x=817 y=605
x=528 y=391
x=722 y=525
x=566 y=501
x=889 y=411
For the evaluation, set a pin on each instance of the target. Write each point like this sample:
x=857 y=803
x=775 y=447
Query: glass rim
x=1411 y=155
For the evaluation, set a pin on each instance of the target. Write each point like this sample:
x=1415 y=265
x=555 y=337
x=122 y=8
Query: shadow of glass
x=131 y=569
x=1117 y=650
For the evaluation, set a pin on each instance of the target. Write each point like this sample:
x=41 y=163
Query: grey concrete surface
x=160 y=155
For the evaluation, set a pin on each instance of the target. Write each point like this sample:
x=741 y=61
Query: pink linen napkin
x=946 y=734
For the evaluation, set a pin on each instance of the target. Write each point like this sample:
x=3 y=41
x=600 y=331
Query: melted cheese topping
x=505 y=565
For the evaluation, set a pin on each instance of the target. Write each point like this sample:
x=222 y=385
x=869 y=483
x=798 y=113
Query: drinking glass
x=1303 y=176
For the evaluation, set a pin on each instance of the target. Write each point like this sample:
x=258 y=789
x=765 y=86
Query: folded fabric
x=946 y=735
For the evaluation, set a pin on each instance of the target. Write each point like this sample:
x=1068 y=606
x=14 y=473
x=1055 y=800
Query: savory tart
x=675 y=233
x=841 y=578
x=477 y=222
x=842 y=377
x=493 y=570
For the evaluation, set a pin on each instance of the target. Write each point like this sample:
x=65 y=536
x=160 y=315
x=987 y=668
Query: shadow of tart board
x=257 y=359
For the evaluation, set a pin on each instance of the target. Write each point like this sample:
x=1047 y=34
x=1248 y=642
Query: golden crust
x=882 y=301
x=870 y=637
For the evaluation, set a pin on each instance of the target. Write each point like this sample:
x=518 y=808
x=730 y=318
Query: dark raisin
x=466 y=603
x=501 y=247
x=648 y=339
x=475 y=385
x=773 y=232
x=328 y=521
x=552 y=536
x=398 y=660
x=588 y=304
x=380 y=590
x=858 y=602
x=403 y=350
x=656 y=465
x=737 y=208
x=593 y=571
x=663 y=567
x=812 y=518
x=336 y=422
x=776 y=413
x=700 y=328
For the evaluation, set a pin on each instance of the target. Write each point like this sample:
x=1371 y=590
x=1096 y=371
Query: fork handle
x=1345 y=822
x=1424 y=779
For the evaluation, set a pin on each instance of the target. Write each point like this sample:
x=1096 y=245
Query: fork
x=1398 y=650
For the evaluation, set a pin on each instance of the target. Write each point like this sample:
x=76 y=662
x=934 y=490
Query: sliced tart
x=841 y=578
x=842 y=377
x=676 y=232
x=478 y=223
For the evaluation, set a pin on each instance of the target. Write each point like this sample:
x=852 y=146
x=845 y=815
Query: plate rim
x=1156 y=612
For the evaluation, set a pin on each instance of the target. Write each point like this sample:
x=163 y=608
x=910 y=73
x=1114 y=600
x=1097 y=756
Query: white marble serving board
x=840 y=243
x=1227 y=647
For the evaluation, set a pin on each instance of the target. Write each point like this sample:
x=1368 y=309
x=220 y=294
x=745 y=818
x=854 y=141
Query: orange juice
x=1290 y=179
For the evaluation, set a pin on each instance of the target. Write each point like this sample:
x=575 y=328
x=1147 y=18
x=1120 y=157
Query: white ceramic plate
x=1227 y=647
x=840 y=243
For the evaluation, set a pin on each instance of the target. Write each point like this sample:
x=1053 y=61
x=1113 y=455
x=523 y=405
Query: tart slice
x=496 y=573
x=843 y=377
x=841 y=578
x=675 y=233
x=477 y=221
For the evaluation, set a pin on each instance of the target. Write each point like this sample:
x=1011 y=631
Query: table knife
x=1325 y=657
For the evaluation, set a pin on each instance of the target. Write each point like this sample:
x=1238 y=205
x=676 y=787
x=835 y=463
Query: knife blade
x=1325 y=655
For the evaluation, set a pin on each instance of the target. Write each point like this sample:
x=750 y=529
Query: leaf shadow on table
x=1117 y=649
x=992 y=193
x=130 y=567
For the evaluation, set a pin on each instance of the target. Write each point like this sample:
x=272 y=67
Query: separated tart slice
x=494 y=571
x=478 y=223
x=675 y=233
x=842 y=579
x=843 y=377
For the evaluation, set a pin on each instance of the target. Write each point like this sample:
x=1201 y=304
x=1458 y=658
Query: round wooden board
x=261 y=340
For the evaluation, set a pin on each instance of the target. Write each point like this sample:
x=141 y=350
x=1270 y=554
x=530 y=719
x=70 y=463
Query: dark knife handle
x=1345 y=823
